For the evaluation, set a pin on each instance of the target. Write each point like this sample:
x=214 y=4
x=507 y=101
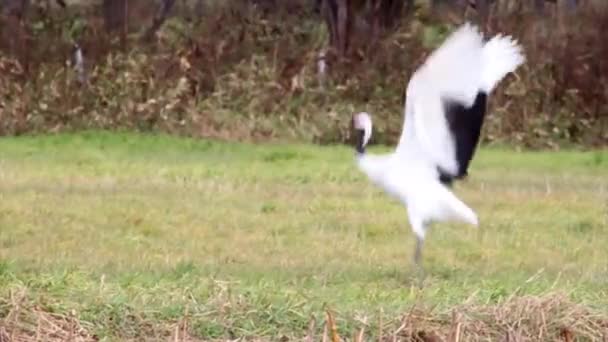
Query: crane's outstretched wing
x=447 y=96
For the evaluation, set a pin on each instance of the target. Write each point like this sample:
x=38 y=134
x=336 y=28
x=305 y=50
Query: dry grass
x=28 y=322
x=541 y=318
x=551 y=317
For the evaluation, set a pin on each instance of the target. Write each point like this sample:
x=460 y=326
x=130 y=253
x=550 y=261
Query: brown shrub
x=245 y=72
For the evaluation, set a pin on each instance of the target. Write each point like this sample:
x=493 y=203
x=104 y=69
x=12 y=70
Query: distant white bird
x=321 y=68
x=444 y=110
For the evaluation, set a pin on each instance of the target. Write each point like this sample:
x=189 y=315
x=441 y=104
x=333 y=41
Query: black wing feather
x=465 y=124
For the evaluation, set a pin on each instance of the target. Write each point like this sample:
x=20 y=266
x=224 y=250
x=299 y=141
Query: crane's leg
x=419 y=277
x=419 y=230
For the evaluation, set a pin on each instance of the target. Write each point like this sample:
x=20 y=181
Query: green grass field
x=141 y=237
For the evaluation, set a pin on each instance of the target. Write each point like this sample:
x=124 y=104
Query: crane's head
x=362 y=123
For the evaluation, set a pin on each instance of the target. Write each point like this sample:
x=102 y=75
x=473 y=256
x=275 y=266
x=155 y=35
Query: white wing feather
x=432 y=135
x=501 y=55
x=454 y=69
x=458 y=70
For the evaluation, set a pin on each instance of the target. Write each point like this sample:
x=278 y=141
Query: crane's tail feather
x=457 y=210
x=500 y=56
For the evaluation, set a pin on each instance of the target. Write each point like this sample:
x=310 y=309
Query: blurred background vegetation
x=289 y=70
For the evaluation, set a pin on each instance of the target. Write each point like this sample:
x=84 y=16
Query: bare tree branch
x=343 y=24
x=159 y=19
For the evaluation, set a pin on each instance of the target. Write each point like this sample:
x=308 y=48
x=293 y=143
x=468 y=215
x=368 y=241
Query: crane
x=445 y=105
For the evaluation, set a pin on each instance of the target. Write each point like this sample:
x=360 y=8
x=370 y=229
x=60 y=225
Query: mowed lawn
x=139 y=236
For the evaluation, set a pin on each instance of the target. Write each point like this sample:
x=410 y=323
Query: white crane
x=444 y=110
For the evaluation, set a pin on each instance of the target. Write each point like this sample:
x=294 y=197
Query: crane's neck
x=360 y=144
